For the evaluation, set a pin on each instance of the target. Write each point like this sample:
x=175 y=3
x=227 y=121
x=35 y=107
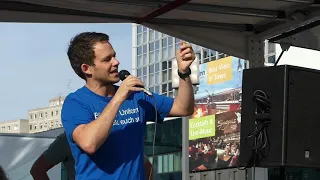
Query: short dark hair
x=80 y=50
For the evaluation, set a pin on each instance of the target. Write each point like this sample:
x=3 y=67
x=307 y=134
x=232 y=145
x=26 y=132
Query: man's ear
x=86 y=69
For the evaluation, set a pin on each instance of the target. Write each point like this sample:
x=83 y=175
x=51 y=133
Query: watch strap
x=184 y=75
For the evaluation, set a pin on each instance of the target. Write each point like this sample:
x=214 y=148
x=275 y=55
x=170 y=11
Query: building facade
x=153 y=53
x=46 y=118
x=15 y=126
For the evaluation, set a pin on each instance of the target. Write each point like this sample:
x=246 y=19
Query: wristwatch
x=184 y=75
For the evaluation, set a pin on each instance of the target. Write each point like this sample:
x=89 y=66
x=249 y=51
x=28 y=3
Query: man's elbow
x=35 y=170
x=190 y=111
x=89 y=148
x=187 y=112
x=32 y=171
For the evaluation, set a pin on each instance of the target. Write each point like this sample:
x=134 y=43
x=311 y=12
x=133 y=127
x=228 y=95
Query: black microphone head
x=123 y=74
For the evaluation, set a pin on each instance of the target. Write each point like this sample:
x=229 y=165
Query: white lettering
x=128 y=111
x=220 y=76
x=224 y=66
x=96 y=115
x=199 y=124
x=201 y=132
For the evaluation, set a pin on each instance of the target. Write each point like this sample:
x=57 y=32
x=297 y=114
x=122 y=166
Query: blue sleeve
x=73 y=114
x=163 y=106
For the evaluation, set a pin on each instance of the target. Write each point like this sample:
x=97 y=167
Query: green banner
x=202 y=127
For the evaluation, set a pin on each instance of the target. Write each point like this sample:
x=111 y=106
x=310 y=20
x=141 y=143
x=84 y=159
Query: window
x=206 y=53
x=177 y=162
x=139 y=39
x=151 y=68
x=144 y=80
x=170 y=161
x=157 y=44
x=157 y=67
x=177 y=47
x=151 y=46
x=144 y=49
x=157 y=89
x=139 y=50
x=164 y=52
x=157 y=78
x=165 y=164
x=164 y=65
x=160 y=164
x=145 y=59
x=40 y=115
x=151 y=80
x=144 y=28
x=151 y=57
x=170 y=41
x=139 y=73
x=151 y=35
x=145 y=37
x=139 y=28
x=170 y=51
x=271 y=48
x=157 y=56
x=272 y=59
x=157 y=35
x=164 y=42
x=164 y=88
x=30 y=127
x=139 y=61
x=145 y=71
x=169 y=74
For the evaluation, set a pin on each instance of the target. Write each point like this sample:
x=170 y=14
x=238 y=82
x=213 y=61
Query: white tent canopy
x=235 y=27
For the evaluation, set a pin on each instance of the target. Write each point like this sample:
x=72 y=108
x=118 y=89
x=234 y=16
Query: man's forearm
x=185 y=97
x=93 y=135
x=39 y=175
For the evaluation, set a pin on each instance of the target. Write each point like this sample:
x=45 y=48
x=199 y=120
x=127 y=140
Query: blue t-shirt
x=121 y=156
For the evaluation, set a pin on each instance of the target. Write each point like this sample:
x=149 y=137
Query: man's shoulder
x=76 y=96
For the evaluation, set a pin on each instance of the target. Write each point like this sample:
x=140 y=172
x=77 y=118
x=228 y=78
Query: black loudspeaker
x=294 y=129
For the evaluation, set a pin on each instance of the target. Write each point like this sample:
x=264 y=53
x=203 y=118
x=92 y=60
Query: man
x=57 y=152
x=105 y=123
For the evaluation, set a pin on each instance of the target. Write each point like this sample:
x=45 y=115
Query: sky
x=35 y=66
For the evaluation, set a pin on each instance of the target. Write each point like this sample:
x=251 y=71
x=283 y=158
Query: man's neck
x=102 y=90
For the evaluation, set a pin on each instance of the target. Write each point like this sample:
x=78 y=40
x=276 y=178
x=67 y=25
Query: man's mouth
x=114 y=71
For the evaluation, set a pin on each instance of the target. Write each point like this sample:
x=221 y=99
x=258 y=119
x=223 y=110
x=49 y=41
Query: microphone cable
x=154 y=134
x=261 y=143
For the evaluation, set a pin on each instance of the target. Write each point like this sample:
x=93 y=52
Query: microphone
x=123 y=75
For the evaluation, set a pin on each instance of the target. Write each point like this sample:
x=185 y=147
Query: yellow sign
x=219 y=71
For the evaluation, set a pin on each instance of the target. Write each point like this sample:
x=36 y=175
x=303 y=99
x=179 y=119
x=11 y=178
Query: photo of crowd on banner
x=214 y=128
